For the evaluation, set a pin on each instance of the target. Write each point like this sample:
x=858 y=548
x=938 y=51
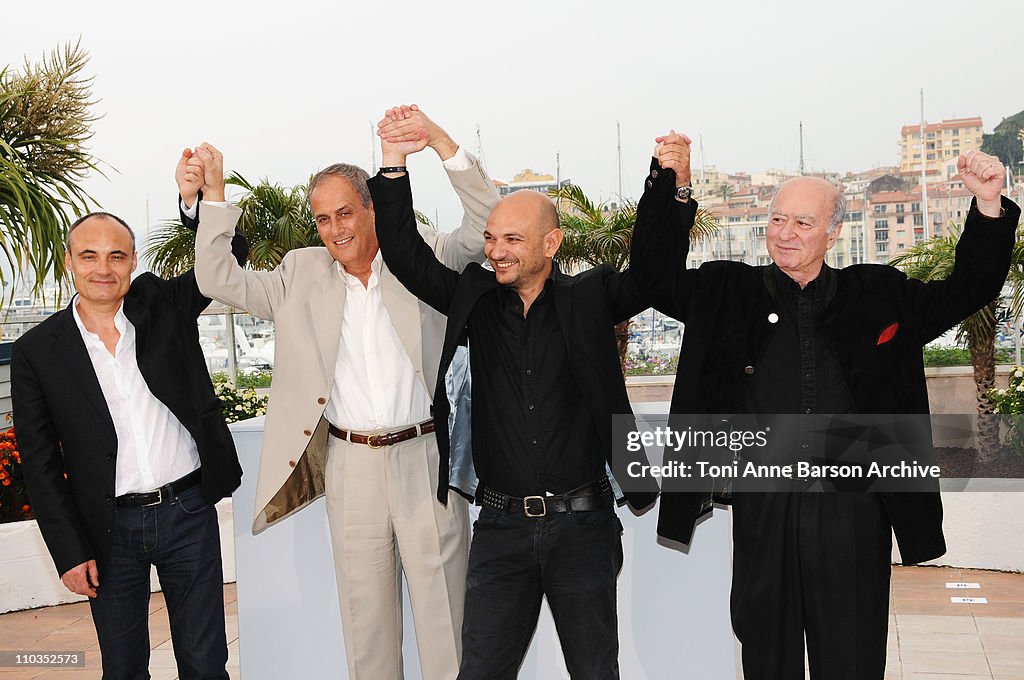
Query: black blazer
x=588 y=306
x=65 y=432
x=725 y=307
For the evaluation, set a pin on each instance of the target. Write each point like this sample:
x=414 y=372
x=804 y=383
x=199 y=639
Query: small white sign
x=969 y=600
x=963 y=585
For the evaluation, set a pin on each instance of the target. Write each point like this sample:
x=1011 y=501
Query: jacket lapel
x=404 y=311
x=326 y=304
x=70 y=350
x=561 y=288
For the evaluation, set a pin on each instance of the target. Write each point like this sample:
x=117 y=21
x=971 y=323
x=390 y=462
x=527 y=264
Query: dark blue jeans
x=181 y=539
x=572 y=558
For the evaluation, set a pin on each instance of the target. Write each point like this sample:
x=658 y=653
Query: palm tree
x=45 y=122
x=274 y=218
x=933 y=260
x=725 y=191
x=597 y=233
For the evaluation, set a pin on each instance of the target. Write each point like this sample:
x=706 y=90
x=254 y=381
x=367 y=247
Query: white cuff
x=460 y=161
x=189 y=212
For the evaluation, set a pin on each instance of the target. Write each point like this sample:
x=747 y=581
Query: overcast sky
x=285 y=88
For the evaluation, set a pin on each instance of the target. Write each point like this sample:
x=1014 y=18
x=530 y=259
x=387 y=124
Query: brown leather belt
x=382 y=439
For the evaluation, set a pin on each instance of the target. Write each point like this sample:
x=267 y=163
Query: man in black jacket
x=125 y=449
x=545 y=383
x=797 y=336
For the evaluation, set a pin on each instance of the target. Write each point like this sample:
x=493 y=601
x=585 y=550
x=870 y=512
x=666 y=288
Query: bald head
x=816 y=190
x=92 y=218
x=530 y=208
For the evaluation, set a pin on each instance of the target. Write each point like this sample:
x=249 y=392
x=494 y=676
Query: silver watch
x=684 y=193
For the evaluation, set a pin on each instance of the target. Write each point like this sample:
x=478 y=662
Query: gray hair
x=353 y=174
x=838 y=208
x=105 y=215
x=838 y=212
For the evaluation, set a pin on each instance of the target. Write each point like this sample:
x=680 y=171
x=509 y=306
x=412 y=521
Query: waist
x=165 y=494
x=594 y=495
x=376 y=440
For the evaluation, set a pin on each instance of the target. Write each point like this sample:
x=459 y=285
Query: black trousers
x=814 y=565
x=181 y=538
x=573 y=559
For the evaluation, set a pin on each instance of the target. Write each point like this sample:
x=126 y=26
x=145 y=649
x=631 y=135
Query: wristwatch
x=684 y=193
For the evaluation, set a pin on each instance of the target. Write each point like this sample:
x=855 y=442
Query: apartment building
x=944 y=142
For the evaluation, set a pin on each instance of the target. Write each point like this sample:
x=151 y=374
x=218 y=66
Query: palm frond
x=275 y=219
x=45 y=124
x=424 y=220
x=170 y=249
x=596 y=233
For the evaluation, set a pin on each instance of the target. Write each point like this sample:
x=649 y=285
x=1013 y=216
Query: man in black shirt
x=800 y=337
x=545 y=382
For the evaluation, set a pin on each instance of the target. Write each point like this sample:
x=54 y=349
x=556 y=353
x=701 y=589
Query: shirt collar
x=353 y=281
x=820 y=289
x=508 y=295
x=120 y=322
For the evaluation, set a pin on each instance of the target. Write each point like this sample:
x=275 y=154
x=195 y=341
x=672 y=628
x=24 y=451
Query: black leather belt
x=167 y=492
x=382 y=439
x=594 y=496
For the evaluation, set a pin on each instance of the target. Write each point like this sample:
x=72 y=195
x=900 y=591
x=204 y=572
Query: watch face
x=684 y=192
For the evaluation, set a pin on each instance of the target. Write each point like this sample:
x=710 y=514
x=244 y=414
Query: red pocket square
x=888 y=334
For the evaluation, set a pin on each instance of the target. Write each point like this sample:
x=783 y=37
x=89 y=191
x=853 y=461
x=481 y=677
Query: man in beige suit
x=350 y=411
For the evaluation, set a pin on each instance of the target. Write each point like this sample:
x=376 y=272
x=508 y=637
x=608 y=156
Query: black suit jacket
x=64 y=425
x=725 y=307
x=588 y=306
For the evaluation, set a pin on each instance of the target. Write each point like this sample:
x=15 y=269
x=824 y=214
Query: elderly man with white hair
x=799 y=337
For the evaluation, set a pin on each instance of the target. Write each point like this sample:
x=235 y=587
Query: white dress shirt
x=153 y=447
x=375 y=384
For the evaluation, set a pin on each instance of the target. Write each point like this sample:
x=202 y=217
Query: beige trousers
x=385 y=519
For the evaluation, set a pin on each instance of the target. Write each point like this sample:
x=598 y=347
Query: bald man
x=798 y=336
x=536 y=456
x=126 y=451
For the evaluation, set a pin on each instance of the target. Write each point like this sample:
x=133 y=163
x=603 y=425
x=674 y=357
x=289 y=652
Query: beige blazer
x=304 y=297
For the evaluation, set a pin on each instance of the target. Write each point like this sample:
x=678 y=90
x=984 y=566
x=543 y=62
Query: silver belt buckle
x=159 y=498
x=543 y=506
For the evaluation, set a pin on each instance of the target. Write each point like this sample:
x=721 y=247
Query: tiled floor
x=930 y=638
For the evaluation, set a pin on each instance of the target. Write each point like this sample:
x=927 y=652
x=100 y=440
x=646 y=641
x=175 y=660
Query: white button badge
x=773 y=318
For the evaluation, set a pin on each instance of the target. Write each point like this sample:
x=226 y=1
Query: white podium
x=673 y=607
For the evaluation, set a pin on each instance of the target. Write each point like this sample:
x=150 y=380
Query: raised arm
x=183 y=291
x=622 y=294
x=661 y=235
x=219 y=274
x=406 y=253
x=409 y=125
x=982 y=254
x=190 y=176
